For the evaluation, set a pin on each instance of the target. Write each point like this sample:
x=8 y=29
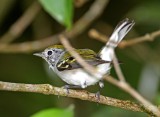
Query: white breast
x=80 y=77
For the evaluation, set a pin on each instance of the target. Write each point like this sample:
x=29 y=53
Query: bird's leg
x=67 y=87
x=101 y=85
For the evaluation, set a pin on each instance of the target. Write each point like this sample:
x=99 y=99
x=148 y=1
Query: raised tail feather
x=118 y=34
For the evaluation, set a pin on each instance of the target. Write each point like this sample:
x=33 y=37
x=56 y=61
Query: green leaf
x=61 y=10
x=55 y=112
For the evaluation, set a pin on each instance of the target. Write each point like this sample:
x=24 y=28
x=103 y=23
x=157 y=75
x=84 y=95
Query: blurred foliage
x=55 y=112
x=25 y=68
x=116 y=112
x=143 y=13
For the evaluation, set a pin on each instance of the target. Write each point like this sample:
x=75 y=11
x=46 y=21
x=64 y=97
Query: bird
x=71 y=72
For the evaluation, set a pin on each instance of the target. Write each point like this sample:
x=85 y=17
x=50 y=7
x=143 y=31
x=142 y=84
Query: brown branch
x=147 y=37
x=126 y=87
x=78 y=28
x=70 y=49
x=26 y=47
x=79 y=94
x=93 y=13
x=117 y=68
x=94 y=34
x=84 y=22
x=121 y=84
x=125 y=43
x=21 y=24
x=149 y=107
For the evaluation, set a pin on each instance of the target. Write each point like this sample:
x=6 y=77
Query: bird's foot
x=67 y=87
x=97 y=95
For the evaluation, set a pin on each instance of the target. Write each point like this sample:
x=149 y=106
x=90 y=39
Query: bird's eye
x=49 y=52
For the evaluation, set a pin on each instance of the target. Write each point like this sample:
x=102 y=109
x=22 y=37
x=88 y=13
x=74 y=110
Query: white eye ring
x=50 y=52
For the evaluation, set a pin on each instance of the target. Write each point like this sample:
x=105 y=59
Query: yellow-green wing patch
x=67 y=62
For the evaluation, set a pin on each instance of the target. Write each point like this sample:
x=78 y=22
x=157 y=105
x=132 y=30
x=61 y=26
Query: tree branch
x=147 y=37
x=84 y=22
x=21 y=24
x=79 y=94
x=117 y=68
x=125 y=43
x=126 y=87
x=90 y=69
x=149 y=107
x=122 y=83
x=93 y=13
x=27 y=47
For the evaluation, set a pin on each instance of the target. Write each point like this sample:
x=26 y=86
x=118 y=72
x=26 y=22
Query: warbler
x=71 y=72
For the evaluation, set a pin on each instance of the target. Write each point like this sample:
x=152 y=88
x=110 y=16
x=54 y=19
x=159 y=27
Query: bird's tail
x=118 y=34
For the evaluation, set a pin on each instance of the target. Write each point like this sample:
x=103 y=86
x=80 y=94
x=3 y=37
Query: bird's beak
x=40 y=54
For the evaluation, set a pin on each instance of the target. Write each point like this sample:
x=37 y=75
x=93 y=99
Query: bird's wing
x=67 y=62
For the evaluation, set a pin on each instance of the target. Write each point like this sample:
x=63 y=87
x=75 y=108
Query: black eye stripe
x=49 y=52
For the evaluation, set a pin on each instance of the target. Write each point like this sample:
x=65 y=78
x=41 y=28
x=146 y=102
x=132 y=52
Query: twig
x=147 y=37
x=117 y=68
x=78 y=28
x=125 y=43
x=21 y=24
x=150 y=108
x=94 y=34
x=121 y=84
x=126 y=87
x=26 y=47
x=93 y=13
x=70 y=49
x=79 y=94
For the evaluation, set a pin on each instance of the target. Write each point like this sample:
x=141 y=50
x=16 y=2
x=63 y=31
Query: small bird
x=71 y=72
